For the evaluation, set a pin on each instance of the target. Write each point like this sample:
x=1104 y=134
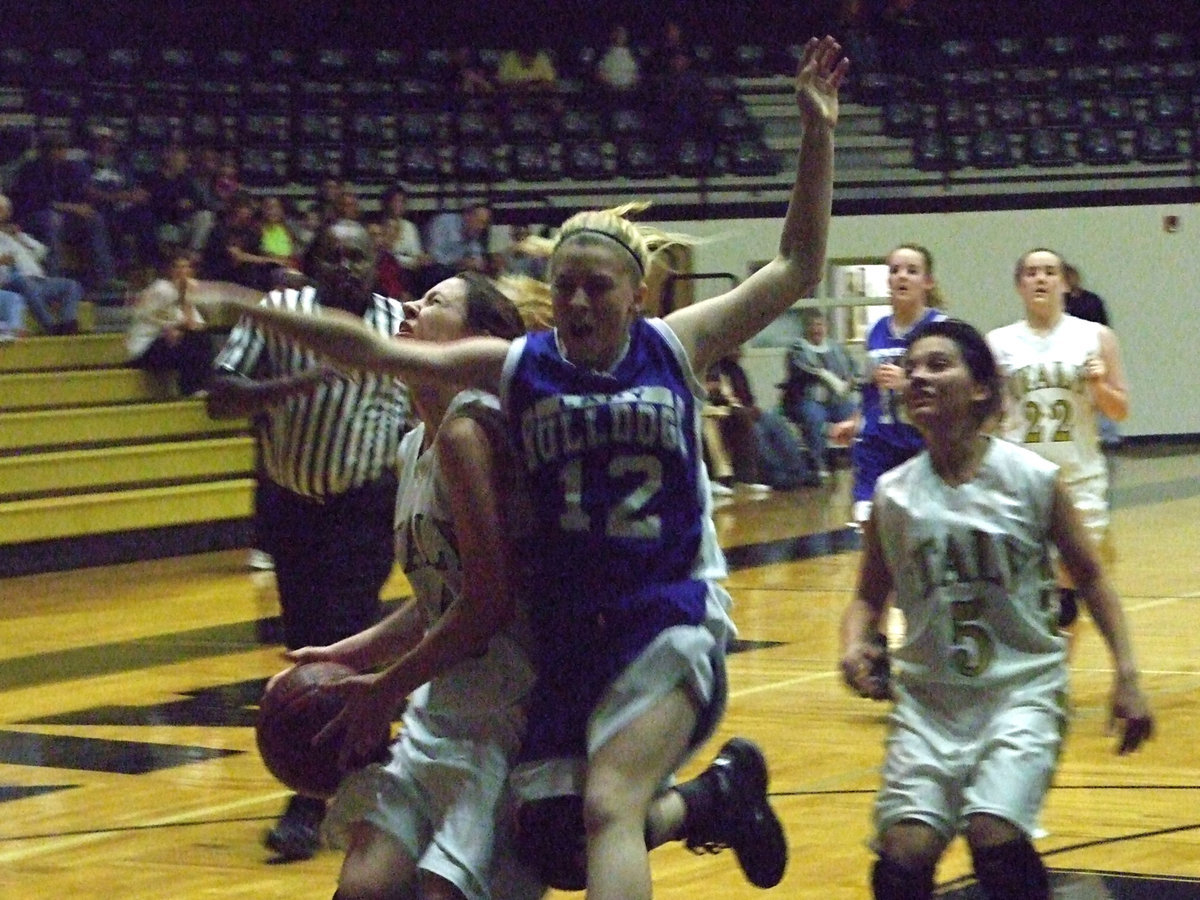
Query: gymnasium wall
x=1149 y=279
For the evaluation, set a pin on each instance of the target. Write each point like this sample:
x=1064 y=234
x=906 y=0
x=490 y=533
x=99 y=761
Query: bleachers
x=99 y=464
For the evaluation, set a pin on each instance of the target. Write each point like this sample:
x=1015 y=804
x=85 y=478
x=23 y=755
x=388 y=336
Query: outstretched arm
x=1128 y=704
x=711 y=329
x=349 y=342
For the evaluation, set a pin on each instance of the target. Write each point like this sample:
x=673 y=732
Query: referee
x=327 y=487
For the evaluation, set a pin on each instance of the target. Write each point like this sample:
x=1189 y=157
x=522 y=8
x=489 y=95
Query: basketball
x=291 y=713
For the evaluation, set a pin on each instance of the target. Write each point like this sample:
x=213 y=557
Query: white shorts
x=1001 y=765
x=441 y=799
x=1090 y=497
x=689 y=655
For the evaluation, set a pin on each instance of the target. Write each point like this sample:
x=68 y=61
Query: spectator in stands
x=178 y=205
x=747 y=444
x=50 y=196
x=53 y=300
x=122 y=202
x=167 y=332
x=458 y=241
x=232 y=252
x=405 y=237
x=276 y=240
x=528 y=254
x=526 y=68
x=617 y=68
x=346 y=205
x=391 y=279
x=819 y=387
x=12 y=316
x=329 y=194
x=662 y=55
x=467 y=75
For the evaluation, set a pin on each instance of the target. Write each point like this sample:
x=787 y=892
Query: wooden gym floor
x=128 y=769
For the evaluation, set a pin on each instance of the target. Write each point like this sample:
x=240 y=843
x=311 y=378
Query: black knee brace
x=1011 y=871
x=551 y=840
x=892 y=881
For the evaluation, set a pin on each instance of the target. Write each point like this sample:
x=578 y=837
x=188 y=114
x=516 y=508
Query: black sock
x=892 y=881
x=1011 y=871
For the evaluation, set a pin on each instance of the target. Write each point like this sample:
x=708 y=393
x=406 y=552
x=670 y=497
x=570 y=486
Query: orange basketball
x=291 y=713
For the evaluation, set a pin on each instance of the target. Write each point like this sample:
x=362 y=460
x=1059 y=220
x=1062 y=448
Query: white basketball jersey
x=972 y=575
x=1049 y=408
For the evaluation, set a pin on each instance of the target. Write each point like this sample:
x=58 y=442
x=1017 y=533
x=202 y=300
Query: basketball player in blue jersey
x=960 y=537
x=630 y=622
x=882 y=436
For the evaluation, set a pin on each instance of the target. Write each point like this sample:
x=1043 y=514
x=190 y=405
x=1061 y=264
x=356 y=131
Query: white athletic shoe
x=260 y=561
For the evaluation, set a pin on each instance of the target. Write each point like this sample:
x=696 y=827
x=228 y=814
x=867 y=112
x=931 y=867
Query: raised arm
x=710 y=329
x=347 y=341
x=1128 y=704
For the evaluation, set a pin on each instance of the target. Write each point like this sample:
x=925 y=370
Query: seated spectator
x=276 y=239
x=819 y=386
x=12 y=316
x=233 y=254
x=346 y=205
x=405 y=237
x=527 y=255
x=617 y=68
x=467 y=75
x=50 y=196
x=745 y=443
x=526 y=69
x=53 y=300
x=167 y=332
x=329 y=199
x=458 y=241
x=178 y=205
x=662 y=56
x=391 y=279
x=122 y=202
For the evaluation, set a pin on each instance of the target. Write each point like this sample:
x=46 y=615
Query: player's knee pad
x=552 y=842
x=892 y=881
x=1011 y=871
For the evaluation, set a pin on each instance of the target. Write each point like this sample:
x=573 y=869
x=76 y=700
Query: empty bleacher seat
x=1009 y=112
x=991 y=149
x=372 y=129
x=1045 y=147
x=958 y=53
x=534 y=162
x=1101 y=146
x=1171 y=107
x=901 y=118
x=421 y=164
x=1113 y=110
x=589 y=160
x=528 y=123
x=697 y=158
x=373 y=163
x=263 y=166
x=957 y=116
x=1010 y=50
x=580 y=124
x=476 y=163
x=475 y=123
x=1062 y=110
x=641 y=158
x=311 y=163
x=1060 y=49
x=931 y=151
x=1160 y=144
x=750 y=156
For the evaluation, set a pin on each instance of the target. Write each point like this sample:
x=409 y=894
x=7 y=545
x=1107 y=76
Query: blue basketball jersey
x=615 y=471
x=884 y=417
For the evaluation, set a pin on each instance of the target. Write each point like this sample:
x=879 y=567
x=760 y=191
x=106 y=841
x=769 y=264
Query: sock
x=1011 y=871
x=1068 y=607
x=892 y=881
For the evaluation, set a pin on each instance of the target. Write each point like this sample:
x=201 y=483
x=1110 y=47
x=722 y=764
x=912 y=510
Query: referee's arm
x=233 y=396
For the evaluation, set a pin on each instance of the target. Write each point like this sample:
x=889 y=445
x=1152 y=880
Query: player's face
x=941 y=389
x=595 y=302
x=909 y=280
x=441 y=315
x=1040 y=283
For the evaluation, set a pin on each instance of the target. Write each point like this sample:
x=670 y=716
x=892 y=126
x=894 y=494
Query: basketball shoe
x=297 y=834
x=727 y=807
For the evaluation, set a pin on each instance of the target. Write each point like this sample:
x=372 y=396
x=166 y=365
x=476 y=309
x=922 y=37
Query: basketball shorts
x=870 y=459
x=1001 y=765
x=554 y=762
x=441 y=799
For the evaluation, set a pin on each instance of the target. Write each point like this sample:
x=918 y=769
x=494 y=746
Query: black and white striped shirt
x=346 y=432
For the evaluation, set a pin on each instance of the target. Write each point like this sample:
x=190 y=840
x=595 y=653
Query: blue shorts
x=871 y=459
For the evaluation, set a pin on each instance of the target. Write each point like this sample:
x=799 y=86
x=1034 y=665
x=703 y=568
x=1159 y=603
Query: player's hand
x=367 y=714
x=1131 y=709
x=819 y=76
x=889 y=376
x=865 y=670
x=1094 y=368
x=842 y=433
